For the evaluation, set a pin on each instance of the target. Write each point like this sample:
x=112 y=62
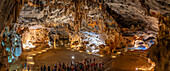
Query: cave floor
x=128 y=61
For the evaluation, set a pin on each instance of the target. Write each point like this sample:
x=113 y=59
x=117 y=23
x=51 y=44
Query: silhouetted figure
x=94 y=59
x=37 y=68
x=44 y=68
x=55 y=67
x=48 y=68
x=59 y=67
x=41 y=68
x=25 y=65
x=28 y=67
x=90 y=60
x=68 y=68
x=63 y=66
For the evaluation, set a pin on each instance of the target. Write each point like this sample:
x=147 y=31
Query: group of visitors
x=85 y=65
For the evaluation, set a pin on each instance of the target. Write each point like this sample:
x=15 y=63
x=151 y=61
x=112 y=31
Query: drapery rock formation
x=160 y=52
x=9 y=12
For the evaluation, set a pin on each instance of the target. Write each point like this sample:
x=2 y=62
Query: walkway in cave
x=127 y=61
x=64 y=55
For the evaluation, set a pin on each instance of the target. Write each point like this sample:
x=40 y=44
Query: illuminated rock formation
x=159 y=52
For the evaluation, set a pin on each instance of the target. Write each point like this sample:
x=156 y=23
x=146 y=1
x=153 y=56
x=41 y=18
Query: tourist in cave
x=37 y=68
x=48 y=68
x=67 y=67
x=41 y=68
x=25 y=65
x=28 y=67
x=55 y=67
x=59 y=66
x=44 y=68
x=63 y=67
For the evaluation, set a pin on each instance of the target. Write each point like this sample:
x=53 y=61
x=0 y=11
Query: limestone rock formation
x=160 y=52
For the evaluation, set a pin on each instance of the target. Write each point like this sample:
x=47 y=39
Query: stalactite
x=1 y=4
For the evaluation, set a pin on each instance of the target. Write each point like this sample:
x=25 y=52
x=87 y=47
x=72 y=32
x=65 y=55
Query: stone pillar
x=159 y=52
x=54 y=41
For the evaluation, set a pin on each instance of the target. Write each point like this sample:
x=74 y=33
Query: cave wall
x=9 y=11
x=160 y=52
x=4 y=17
x=160 y=9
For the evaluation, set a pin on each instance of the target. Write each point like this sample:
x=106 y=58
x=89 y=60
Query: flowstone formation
x=9 y=39
x=160 y=52
x=74 y=19
x=12 y=44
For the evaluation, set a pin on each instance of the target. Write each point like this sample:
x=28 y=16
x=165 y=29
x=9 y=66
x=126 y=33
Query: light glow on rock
x=28 y=45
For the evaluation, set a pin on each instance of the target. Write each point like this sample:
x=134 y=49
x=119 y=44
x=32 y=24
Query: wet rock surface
x=160 y=55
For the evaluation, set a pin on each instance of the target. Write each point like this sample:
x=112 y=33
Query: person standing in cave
x=63 y=67
x=28 y=67
x=44 y=68
x=48 y=68
x=55 y=67
x=37 y=68
x=25 y=65
x=67 y=67
x=41 y=68
x=59 y=66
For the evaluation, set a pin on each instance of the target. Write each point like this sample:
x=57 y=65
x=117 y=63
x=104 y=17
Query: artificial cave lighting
x=92 y=38
x=36 y=34
x=28 y=45
x=72 y=57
